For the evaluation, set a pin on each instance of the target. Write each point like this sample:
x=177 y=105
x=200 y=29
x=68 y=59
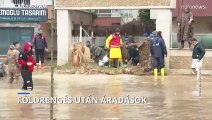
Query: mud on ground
x=93 y=68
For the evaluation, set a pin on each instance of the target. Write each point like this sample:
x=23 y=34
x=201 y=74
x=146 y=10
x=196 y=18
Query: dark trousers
x=39 y=54
x=159 y=62
x=27 y=80
x=135 y=61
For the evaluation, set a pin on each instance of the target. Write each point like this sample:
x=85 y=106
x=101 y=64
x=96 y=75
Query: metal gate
x=8 y=35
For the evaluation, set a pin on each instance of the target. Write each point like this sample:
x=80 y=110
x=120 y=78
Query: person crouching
x=97 y=53
x=27 y=63
x=134 y=55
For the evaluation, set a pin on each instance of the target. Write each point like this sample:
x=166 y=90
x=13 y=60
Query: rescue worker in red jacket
x=27 y=63
x=114 y=43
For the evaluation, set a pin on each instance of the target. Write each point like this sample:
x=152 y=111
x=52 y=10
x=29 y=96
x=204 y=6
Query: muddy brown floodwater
x=168 y=98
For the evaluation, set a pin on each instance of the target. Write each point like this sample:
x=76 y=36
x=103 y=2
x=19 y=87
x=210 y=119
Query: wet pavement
x=168 y=98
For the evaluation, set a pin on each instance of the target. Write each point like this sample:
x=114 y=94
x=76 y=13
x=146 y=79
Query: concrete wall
x=64 y=29
x=163 y=21
x=180 y=61
x=81 y=17
x=78 y=17
x=111 y=3
x=10 y=4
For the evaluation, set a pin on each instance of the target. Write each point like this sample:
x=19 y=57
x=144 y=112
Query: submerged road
x=168 y=98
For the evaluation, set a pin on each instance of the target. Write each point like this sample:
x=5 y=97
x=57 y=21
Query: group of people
x=111 y=54
x=117 y=51
x=158 y=52
x=185 y=34
x=23 y=61
x=121 y=51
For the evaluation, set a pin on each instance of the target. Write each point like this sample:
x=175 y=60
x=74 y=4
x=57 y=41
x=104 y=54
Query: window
x=20 y=2
x=130 y=15
x=205 y=39
x=12 y=34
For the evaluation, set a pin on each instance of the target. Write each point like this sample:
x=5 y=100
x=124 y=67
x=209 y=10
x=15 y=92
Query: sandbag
x=76 y=59
x=79 y=54
x=86 y=55
x=103 y=61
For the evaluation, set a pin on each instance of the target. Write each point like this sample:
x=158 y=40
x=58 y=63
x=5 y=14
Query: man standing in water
x=197 y=55
x=40 y=46
x=158 y=51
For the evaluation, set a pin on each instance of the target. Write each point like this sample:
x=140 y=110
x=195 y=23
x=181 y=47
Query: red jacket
x=39 y=41
x=115 y=42
x=25 y=57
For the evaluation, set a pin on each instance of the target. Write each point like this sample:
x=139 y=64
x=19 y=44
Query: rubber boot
x=116 y=63
x=155 y=72
x=11 y=80
x=111 y=64
x=120 y=64
x=162 y=71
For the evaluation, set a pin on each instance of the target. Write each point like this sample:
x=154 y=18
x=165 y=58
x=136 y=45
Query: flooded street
x=168 y=98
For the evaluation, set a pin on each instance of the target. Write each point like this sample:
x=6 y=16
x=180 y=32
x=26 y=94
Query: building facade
x=19 y=20
x=80 y=18
x=126 y=15
x=201 y=10
x=64 y=7
x=103 y=26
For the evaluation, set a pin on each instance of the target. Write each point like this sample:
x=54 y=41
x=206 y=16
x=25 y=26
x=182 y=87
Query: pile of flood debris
x=92 y=68
x=81 y=64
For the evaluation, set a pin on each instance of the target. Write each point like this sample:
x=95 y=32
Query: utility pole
x=199 y=80
x=52 y=64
